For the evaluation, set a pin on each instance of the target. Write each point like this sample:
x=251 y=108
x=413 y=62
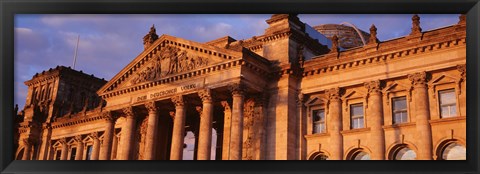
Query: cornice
x=327 y=64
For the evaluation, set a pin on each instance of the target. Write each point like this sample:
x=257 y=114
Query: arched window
x=358 y=154
x=403 y=152
x=318 y=156
x=454 y=151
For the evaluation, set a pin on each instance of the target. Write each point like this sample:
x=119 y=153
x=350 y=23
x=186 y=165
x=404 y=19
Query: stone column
x=107 y=135
x=302 y=127
x=152 y=127
x=178 y=128
x=64 y=155
x=45 y=143
x=422 y=113
x=28 y=143
x=206 y=119
x=375 y=120
x=236 y=139
x=334 y=123
x=79 y=154
x=128 y=136
x=96 y=146
x=226 y=129
x=115 y=153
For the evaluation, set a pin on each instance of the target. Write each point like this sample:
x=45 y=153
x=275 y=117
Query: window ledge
x=393 y=126
x=355 y=130
x=451 y=119
x=310 y=136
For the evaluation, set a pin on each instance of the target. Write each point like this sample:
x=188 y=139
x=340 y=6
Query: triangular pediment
x=168 y=56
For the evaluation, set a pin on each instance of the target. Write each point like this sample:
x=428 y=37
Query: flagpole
x=75 y=56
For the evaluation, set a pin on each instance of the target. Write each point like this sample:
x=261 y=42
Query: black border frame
x=8 y=8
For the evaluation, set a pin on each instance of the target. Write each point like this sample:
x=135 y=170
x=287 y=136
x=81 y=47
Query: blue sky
x=109 y=42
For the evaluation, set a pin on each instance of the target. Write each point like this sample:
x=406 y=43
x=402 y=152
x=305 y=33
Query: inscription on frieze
x=169 y=60
x=182 y=88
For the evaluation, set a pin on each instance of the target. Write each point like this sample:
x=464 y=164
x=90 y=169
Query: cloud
x=109 y=42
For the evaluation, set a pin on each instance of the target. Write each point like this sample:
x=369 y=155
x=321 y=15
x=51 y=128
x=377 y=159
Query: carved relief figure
x=170 y=60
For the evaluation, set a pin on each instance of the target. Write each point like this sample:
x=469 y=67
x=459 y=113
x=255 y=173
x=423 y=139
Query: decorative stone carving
x=300 y=99
x=107 y=115
x=199 y=110
x=150 y=37
x=373 y=35
x=248 y=111
x=237 y=88
x=128 y=111
x=418 y=79
x=205 y=95
x=178 y=100
x=151 y=107
x=463 y=70
x=373 y=86
x=416 y=25
x=172 y=115
x=169 y=60
x=333 y=94
x=462 y=19
x=226 y=105
x=334 y=48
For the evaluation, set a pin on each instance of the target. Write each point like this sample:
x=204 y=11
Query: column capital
x=108 y=115
x=373 y=87
x=463 y=70
x=151 y=107
x=205 y=95
x=199 y=110
x=301 y=98
x=178 y=100
x=226 y=105
x=95 y=135
x=128 y=111
x=333 y=94
x=418 y=79
x=237 y=88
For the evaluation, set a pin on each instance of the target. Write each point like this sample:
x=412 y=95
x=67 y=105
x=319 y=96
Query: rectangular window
x=89 y=152
x=318 y=121
x=356 y=116
x=399 y=110
x=58 y=155
x=448 y=104
x=73 y=153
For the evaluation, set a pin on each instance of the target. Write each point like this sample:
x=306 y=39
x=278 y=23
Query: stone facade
x=278 y=96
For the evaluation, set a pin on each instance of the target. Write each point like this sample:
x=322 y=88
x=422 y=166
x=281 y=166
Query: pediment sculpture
x=169 y=60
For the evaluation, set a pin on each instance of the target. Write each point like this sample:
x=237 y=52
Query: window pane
x=454 y=151
x=453 y=110
x=360 y=124
x=357 y=109
x=447 y=97
x=399 y=103
x=406 y=154
x=73 y=153
x=444 y=111
x=362 y=156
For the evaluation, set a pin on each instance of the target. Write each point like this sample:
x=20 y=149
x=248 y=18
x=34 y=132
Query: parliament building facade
x=283 y=95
